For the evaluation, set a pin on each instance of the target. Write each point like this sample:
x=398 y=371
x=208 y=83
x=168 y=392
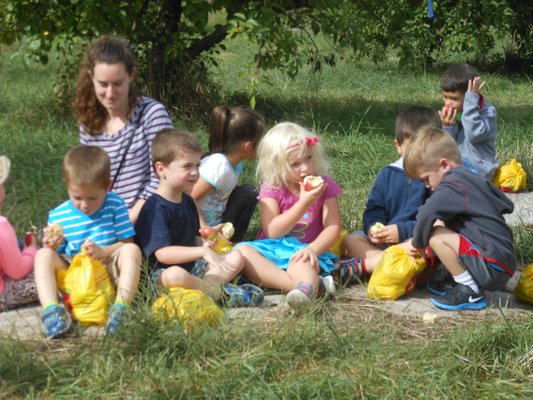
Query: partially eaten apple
x=228 y=230
x=312 y=182
x=54 y=232
x=376 y=228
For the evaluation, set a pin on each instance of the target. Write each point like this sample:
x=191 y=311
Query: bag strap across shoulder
x=134 y=126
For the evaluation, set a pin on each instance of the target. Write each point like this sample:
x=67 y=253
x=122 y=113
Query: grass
x=345 y=349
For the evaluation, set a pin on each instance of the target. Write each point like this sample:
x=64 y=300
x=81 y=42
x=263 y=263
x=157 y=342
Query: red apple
x=208 y=233
x=312 y=182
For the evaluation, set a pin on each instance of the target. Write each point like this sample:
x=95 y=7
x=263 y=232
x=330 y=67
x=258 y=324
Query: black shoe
x=461 y=297
x=440 y=288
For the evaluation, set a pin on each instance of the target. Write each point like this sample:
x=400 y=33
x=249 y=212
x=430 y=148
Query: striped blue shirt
x=105 y=227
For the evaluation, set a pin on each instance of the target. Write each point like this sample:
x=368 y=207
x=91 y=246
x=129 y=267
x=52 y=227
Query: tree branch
x=207 y=42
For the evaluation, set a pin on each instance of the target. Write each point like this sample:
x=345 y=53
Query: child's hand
x=208 y=244
x=93 y=250
x=51 y=239
x=448 y=115
x=387 y=234
x=311 y=196
x=307 y=255
x=475 y=85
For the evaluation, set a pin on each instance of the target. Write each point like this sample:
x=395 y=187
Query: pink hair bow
x=312 y=141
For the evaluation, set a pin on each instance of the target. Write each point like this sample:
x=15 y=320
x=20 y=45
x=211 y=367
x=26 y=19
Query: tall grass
x=343 y=349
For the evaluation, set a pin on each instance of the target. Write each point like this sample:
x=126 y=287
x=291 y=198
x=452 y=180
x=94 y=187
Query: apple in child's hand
x=312 y=182
x=208 y=233
x=448 y=108
x=376 y=228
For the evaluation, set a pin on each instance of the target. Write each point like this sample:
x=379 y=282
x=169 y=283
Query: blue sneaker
x=246 y=295
x=461 y=297
x=57 y=321
x=116 y=315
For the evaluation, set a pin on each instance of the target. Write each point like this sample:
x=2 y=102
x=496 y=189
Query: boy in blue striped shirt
x=97 y=221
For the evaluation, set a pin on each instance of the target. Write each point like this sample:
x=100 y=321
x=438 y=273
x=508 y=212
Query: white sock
x=466 y=279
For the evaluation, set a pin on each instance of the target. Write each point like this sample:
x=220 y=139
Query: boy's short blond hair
x=412 y=119
x=427 y=148
x=5 y=166
x=171 y=144
x=87 y=165
x=274 y=148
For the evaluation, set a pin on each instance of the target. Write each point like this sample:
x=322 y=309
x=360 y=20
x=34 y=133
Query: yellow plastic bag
x=190 y=307
x=510 y=177
x=337 y=246
x=87 y=290
x=394 y=275
x=524 y=289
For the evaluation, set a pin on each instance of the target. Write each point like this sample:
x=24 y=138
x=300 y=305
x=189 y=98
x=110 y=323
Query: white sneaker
x=330 y=291
x=296 y=299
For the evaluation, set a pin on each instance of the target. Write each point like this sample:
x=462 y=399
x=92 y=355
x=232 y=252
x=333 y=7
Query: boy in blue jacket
x=469 y=119
x=393 y=202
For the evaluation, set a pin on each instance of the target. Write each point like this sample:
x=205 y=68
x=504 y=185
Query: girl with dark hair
x=234 y=136
x=113 y=116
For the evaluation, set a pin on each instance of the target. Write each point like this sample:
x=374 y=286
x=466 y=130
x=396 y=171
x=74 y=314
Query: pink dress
x=279 y=251
x=17 y=284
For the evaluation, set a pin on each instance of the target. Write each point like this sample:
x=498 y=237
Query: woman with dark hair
x=113 y=116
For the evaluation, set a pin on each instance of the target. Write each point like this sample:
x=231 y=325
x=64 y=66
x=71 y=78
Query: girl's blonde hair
x=5 y=166
x=283 y=139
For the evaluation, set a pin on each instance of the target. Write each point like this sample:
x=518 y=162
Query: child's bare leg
x=262 y=272
x=129 y=264
x=303 y=272
x=445 y=244
x=224 y=269
x=178 y=277
x=47 y=261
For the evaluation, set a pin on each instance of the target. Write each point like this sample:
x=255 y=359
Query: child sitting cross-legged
x=96 y=220
x=168 y=228
x=392 y=204
x=299 y=224
x=462 y=222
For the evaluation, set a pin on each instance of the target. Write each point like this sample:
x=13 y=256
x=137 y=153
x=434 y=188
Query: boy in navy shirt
x=168 y=228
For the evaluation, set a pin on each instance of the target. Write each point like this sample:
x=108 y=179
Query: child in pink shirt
x=299 y=224
x=17 y=285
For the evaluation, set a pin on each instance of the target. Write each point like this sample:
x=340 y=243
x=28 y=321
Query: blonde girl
x=298 y=226
x=234 y=137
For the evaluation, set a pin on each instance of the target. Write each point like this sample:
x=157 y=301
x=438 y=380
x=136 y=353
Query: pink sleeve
x=268 y=192
x=13 y=263
x=333 y=189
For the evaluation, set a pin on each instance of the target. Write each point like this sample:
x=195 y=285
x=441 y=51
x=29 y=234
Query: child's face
x=87 y=198
x=181 y=174
x=301 y=165
x=454 y=99
x=432 y=177
x=112 y=85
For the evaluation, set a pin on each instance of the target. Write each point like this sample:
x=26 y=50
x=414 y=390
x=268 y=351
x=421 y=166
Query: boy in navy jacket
x=392 y=204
